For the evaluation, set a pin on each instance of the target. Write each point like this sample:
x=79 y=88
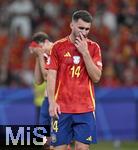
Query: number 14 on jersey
x=75 y=71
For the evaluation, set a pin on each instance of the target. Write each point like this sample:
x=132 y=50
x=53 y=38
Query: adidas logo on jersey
x=67 y=54
x=89 y=138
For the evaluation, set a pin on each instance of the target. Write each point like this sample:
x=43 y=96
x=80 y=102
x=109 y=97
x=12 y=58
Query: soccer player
x=75 y=65
x=40 y=47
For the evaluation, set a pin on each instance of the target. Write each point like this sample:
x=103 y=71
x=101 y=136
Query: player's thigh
x=81 y=146
x=61 y=131
x=84 y=128
x=61 y=147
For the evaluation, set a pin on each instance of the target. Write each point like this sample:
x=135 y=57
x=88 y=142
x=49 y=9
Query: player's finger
x=56 y=113
x=78 y=39
x=82 y=36
x=76 y=45
x=77 y=42
x=51 y=113
x=58 y=109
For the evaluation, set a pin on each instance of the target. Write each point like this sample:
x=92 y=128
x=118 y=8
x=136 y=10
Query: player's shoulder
x=93 y=43
x=61 y=41
x=59 y=44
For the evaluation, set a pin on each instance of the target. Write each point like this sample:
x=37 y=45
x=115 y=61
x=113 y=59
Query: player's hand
x=81 y=43
x=47 y=46
x=32 y=50
x=54 y=110
x=36 y=51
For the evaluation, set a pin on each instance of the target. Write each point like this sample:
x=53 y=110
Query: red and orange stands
x=65 y=26
x=109 y=77
x=3 y=44
x=102 y=36
x=17 y=53
x=30 y=62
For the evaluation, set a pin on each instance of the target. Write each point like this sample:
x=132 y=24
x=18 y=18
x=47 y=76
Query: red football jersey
x=74 y=88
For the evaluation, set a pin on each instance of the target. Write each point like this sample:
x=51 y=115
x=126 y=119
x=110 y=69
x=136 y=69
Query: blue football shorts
x=79 y=127
x=44 y=118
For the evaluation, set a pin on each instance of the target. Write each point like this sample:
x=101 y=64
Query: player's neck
x=72 y=38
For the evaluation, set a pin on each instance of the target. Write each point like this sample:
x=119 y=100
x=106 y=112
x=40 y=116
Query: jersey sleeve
x=97 y=58
x=52 y=61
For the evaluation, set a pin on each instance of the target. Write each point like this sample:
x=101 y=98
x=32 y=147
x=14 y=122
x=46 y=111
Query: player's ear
x=71 y=25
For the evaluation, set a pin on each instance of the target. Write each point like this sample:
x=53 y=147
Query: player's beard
x=76 y=34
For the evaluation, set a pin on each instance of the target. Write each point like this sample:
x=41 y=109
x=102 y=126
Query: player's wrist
x=85 y=53
x=52 y=102
x=40 y=54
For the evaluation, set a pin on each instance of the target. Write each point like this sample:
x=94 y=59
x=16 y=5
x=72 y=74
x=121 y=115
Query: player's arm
x=41 y=60
x=52 y=66
x=37 y=73
x=54 y=108
x=93 y=71
x=40 y=73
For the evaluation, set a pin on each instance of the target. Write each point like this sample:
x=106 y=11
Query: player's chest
x=71 y=56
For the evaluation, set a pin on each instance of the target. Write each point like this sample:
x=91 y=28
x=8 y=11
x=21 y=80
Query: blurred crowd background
x=115 y=29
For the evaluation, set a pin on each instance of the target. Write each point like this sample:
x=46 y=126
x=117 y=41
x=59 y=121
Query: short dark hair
x=82 y=14
x=40 y=37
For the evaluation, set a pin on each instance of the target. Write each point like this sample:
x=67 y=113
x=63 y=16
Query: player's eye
x=82 y=28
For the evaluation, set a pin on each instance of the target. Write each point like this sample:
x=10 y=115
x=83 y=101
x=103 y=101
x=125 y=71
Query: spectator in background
x=21 y=12
x=122 y=30
x=4 y=75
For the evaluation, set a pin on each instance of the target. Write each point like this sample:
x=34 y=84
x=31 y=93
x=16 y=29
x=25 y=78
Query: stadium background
x=114 y=28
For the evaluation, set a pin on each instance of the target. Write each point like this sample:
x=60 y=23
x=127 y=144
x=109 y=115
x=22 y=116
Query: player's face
x=80 y=26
